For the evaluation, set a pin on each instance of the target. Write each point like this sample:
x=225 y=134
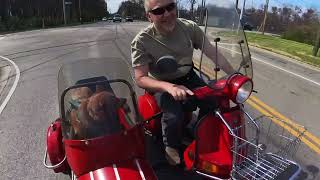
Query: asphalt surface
x=34 y=103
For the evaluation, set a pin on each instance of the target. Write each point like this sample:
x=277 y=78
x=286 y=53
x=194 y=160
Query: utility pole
x=64 y=12
x=80 y=16
x=316 y=45
x=265 y=16
x=9 y=9
x=202 y=12
x=237 y=2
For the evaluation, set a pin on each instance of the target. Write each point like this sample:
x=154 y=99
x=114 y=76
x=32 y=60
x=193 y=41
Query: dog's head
x=81 y=93
x=97 y=113
x=103 y=106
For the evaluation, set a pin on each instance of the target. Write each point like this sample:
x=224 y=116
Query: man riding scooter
x=169 y=36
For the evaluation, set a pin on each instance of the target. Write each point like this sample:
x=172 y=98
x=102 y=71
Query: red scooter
x=226 y=143
x=104 y=133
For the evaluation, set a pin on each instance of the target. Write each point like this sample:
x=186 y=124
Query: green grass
x=293 y=49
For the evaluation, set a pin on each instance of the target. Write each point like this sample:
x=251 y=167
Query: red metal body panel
x=133 y=170
x=122 y=119
x=88 y=155
x=214 y=142
x=55 y=146
x=147 y=108
x=213 y=146
x=220 y=90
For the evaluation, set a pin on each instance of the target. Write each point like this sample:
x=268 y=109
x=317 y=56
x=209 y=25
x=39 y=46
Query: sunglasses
x=161 y=10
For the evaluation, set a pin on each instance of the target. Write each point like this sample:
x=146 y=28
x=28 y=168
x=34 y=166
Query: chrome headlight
x=240 y=88
x=244 y=92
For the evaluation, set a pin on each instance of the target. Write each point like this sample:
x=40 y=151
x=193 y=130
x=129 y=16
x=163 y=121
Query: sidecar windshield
x=96 y=98
x=223 y=26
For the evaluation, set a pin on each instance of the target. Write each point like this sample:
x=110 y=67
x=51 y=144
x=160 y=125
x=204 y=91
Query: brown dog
x=103 y=110
x=97 y=114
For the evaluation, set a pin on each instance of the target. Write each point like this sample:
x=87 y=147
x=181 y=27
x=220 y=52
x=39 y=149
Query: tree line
x=135 y=8
x=25 y=14
x=290 y=22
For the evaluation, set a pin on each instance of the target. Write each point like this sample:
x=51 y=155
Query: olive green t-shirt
x=149 y=45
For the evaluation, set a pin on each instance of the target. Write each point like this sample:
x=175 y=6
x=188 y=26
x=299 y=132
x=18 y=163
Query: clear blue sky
x=113 y=5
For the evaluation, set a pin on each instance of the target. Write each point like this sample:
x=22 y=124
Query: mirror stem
x=243 y=59
x=203 y=42
x=216 y=40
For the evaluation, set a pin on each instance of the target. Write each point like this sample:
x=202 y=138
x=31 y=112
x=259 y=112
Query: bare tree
x=192 y=3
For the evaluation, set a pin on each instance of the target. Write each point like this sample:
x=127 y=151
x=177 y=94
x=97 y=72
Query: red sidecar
x=98 y=135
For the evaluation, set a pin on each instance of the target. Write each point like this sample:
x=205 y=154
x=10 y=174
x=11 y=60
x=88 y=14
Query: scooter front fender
x=136 y=169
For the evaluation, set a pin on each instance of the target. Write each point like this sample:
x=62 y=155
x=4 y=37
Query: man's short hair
x=146 y=5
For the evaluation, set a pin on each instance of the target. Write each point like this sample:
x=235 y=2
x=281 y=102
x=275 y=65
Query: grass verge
x=292 y=49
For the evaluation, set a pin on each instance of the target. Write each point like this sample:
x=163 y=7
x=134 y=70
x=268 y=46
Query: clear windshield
x=223 y=22
x=93 y=93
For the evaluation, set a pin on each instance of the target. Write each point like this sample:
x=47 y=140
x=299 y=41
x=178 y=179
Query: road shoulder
x=292 y=60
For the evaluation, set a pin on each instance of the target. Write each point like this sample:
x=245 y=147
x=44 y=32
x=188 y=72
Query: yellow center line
x=281 y=124
x=285 y=119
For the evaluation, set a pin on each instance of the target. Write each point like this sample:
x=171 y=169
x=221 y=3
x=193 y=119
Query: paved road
x=38 y=54
x=34 y=104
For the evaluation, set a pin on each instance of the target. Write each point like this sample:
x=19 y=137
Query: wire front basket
x=266 y=149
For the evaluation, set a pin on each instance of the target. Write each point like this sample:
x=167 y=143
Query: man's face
x=164 y=21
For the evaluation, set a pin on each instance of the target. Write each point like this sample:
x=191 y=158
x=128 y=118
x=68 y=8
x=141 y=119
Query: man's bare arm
x=144 y=81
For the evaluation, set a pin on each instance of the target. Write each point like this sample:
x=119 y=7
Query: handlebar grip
x=189 y=104
x=189 y=98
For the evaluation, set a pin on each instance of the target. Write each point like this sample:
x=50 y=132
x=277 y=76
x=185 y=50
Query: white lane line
x=277 y=67
x=13 y=88
x=1 y=37
x=295 y=74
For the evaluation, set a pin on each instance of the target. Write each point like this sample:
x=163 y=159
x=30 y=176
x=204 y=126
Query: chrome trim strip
x=52 y=166
x=116 y=171
x=140 y=170
x=91 y=175
x=209 y=176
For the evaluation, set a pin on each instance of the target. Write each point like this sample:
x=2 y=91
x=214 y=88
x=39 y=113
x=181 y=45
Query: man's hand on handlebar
x=179 y=92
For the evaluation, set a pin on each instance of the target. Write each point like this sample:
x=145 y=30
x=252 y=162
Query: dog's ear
x=83 y=113
x=101 y=102
x=74 y=121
